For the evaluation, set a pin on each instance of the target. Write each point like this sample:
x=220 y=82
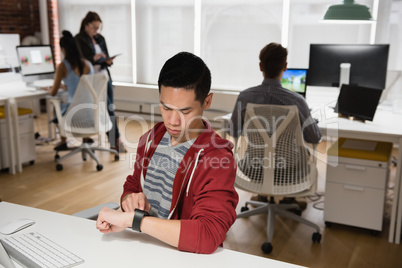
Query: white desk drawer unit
x=356 y=183
x=27 y=139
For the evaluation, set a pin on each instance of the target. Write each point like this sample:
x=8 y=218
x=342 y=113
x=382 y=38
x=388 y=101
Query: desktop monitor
x=36 y=62
x=295 y=80
x=360 y=102
x=368 y=64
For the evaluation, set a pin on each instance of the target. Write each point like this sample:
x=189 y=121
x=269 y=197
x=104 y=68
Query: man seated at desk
x=184 y=172
x=273 y=63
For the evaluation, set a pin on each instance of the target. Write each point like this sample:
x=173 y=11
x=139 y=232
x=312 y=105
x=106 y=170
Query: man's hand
x=135 y=200
x=111 y=221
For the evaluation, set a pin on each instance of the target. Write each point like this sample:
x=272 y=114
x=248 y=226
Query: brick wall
x=22 y=17
x=53 y=20
x=19 y=16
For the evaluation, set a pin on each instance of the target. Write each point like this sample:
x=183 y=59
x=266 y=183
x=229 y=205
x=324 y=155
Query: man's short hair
x=273 y=59
x=186 y=70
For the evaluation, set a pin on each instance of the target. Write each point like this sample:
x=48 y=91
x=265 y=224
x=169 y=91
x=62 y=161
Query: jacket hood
x=207 y=141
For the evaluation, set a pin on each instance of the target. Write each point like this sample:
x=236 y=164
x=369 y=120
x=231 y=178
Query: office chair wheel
x=116 y=158
x=245 y=208
x=99 y=167
x=316 y=237
x=328 y=224
x=267 y=247
x=59 y=167
x=57 y=156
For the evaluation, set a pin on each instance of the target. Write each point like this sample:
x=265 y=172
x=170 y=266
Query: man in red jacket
x=182 y=189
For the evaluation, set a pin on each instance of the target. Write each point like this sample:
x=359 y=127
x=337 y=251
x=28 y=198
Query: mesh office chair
x=272 y=160
x=86 y=116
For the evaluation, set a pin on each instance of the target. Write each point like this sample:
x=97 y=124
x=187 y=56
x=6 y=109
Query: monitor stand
x=344 y=75
x=354 y=118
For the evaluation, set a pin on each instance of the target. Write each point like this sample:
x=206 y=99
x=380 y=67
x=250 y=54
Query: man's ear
x=208 y=101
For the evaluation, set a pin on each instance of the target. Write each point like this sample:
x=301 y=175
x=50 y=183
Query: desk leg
x=17 y=143
x=10 y=138
x=398 y=194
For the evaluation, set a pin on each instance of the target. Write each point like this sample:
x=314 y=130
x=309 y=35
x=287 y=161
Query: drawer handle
x=361 y=168
x=353 y=188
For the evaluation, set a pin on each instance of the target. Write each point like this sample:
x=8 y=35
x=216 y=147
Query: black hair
x=273 y=59
x=72 y=51
x=89 y=17
x=186 y=70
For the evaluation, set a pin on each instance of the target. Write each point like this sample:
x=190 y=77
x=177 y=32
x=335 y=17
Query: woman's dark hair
x=72 y=51
x=90 y=17
x=185 y=70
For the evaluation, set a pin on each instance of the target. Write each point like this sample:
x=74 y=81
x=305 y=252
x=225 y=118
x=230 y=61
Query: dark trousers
x=114 y=133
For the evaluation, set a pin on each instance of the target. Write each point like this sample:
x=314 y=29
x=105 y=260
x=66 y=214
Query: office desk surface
x=19 y=90
x=14 y=90
x=385 y=127
x=124 y=249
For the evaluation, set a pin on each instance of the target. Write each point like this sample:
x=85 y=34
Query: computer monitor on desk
x=295 y=80
x=364 y=65
x=359 y=102
x=36 y=63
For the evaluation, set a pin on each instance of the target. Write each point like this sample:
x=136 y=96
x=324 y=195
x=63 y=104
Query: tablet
x=112 y=57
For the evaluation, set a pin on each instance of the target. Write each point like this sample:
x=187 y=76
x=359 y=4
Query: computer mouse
x=15 y=226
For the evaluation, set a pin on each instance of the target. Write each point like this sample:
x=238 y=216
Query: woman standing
x=94 y=49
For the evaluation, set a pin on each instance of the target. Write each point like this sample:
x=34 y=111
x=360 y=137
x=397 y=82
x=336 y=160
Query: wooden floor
x=80 y=186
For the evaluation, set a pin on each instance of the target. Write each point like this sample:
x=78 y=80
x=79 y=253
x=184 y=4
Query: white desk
x=4 y=101
x=14 y=90
x=124 y=249
x=386 y=126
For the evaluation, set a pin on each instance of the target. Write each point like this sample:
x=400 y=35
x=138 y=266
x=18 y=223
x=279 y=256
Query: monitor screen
x=35 y=60
x=360 y=102
x=295 y=80
x=368 y=64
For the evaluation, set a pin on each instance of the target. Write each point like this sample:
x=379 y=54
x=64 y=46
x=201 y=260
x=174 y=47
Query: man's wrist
x=137 y=219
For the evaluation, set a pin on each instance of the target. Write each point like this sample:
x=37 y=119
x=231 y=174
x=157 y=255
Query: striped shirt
x=272 y=92
x=161 y=173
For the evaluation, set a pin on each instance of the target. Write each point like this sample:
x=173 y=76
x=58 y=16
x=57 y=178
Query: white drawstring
x=192 y=173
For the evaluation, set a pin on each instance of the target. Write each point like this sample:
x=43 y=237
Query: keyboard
x=35 y=250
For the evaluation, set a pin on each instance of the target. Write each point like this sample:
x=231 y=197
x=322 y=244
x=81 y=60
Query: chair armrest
x=92 y=213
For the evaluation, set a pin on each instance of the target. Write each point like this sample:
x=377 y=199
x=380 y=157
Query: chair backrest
x=87 y=113
x=271 y=155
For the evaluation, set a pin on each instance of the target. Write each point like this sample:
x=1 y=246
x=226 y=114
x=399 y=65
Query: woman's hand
x=109 y=61
x=99 y=56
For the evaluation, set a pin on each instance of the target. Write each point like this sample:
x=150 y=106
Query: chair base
x=85 y=149
x=273 y=209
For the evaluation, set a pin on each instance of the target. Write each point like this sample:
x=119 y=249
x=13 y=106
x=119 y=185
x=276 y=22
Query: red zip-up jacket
x=204 y=197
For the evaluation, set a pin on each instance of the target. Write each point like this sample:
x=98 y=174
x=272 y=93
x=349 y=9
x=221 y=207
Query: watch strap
x=138 y=216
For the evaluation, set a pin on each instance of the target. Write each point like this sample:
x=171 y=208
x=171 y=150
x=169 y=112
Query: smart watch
x=138 y=215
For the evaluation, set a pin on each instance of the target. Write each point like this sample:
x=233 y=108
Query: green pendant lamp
x=348 y=11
